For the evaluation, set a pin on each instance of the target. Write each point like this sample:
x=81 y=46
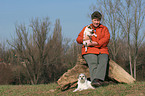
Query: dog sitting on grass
x=83 y=83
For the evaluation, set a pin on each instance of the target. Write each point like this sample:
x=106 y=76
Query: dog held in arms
x=88 y=33
x=83 y=83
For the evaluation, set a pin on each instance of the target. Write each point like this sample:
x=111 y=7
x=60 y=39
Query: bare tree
x=55 y=53
x=55 y=44
x=31 y=49
x=138 y=34
x=72 y=54
x=43 y=57
x=131 y=19
x=1 y=52
x=109 y=9
x=124 y=20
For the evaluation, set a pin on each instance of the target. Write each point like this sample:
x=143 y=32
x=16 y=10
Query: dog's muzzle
x=82 y=79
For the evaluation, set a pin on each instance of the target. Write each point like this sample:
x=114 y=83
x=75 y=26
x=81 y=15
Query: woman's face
x=96 y=22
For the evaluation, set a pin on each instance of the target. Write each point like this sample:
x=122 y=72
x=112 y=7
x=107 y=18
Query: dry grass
x=135 y=89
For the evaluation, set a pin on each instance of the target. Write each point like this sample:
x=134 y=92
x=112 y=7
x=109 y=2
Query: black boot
x=96 y=83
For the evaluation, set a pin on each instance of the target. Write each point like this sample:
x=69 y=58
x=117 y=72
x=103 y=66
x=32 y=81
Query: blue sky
x=73 y=15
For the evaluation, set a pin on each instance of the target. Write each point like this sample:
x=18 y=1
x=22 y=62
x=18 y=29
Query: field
x=135 y=89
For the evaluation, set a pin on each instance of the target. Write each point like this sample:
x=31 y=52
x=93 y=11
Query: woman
x=97 y=51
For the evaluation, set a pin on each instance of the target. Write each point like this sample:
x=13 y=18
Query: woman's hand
x=90 y=43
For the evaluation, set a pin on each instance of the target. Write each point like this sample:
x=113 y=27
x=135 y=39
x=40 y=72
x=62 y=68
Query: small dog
x=83 y=83
x=88 y=33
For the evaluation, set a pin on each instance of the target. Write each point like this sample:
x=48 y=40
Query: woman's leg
x=97 y=65
x=102 y=66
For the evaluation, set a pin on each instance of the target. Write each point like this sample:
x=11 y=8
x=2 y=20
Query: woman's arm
x=80 y=36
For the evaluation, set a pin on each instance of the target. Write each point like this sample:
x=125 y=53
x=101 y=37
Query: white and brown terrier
x=88 y=33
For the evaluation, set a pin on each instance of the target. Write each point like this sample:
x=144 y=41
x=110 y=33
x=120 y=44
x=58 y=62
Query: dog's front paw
x=75 y=90
x=92 y=87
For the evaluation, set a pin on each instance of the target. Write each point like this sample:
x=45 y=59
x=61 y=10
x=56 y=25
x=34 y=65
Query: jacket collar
x=100 y=26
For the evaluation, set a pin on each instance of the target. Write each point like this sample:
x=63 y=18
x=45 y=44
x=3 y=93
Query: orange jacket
x=103 y=37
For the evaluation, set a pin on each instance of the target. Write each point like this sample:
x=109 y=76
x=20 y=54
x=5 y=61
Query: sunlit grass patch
x=135 y=89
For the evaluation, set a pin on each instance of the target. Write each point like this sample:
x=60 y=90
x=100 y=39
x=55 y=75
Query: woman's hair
x=97 y=15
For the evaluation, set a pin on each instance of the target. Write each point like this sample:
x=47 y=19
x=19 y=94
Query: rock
x=117 y=73
x=69 y=78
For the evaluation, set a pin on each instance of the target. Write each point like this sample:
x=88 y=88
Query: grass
x=135 y=89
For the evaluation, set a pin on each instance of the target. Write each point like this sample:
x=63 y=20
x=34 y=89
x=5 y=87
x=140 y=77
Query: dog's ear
x=89 y=27
x=78 y=76
x=85 y=76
